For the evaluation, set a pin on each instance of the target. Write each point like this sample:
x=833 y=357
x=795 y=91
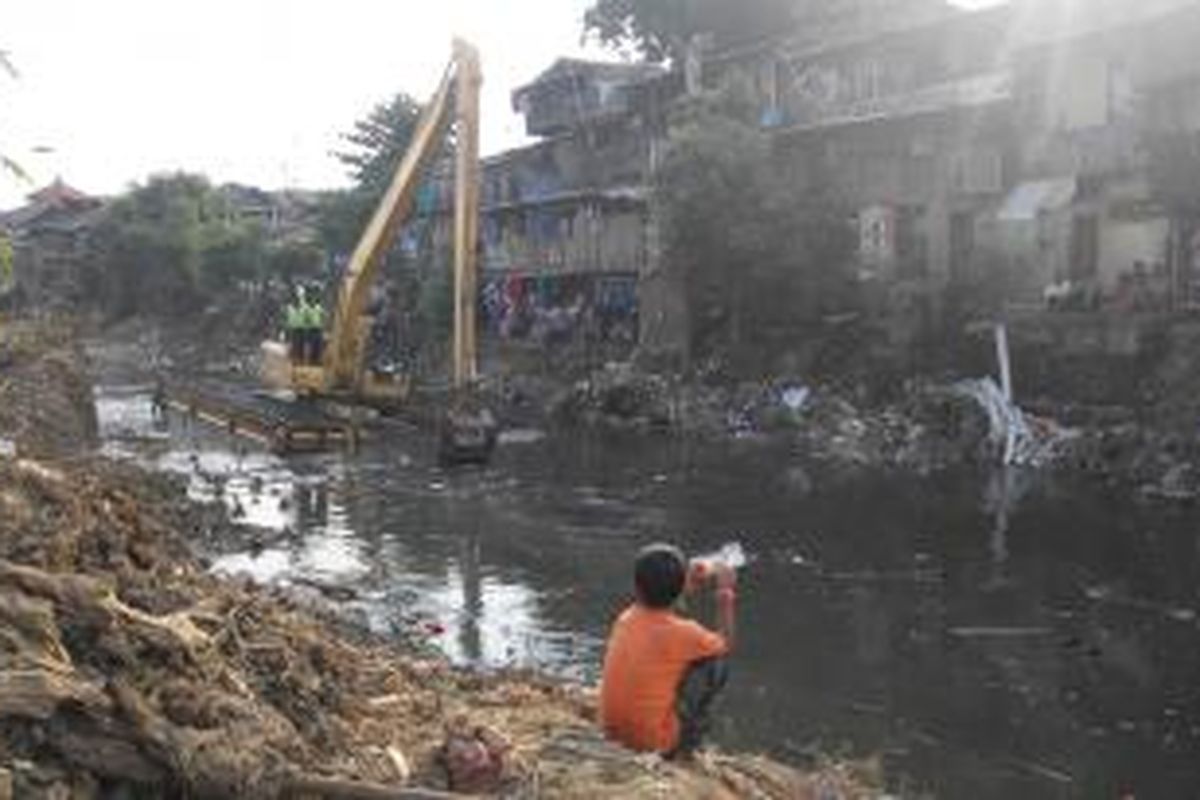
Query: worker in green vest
x=315 y=324
x=293 y=323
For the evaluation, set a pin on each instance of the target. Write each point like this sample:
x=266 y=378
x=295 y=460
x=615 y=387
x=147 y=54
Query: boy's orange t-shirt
x=649 y=651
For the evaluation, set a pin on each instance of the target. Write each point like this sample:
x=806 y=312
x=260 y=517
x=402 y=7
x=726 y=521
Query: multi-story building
x=1097 y=88
x=564 y=235
x=903 y=109
x=1015 y=138
x=287 y=214
x=1006 y=149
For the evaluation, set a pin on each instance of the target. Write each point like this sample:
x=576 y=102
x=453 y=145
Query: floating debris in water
x=997 y=632
x=521 y=436
x=795 y=397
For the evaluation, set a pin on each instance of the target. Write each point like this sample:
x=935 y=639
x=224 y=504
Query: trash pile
x=127 y=670
x=617 y=396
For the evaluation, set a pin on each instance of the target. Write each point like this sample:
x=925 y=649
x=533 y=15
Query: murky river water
x=992 y=636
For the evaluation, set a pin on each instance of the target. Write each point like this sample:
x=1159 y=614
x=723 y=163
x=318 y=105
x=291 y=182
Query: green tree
x=341 y=217
x=757 y=247
x=294 y=260
x=376 y=144
x=231 y=253
x=170 y=245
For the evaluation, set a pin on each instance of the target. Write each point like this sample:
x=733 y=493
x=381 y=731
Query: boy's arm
x=726 y=604
x=724 y=580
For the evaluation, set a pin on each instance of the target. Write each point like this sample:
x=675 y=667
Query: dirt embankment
x=127 y=670
x=46 y=404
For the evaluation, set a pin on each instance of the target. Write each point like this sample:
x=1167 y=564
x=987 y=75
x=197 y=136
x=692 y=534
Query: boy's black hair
x=659 y=574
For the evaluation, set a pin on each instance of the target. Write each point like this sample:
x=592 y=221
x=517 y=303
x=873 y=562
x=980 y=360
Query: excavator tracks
x=284 y=423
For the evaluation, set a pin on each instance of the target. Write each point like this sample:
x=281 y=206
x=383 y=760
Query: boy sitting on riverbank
x=661 y=671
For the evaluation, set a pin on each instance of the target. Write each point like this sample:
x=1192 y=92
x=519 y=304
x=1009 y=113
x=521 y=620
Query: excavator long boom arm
x=346 y=350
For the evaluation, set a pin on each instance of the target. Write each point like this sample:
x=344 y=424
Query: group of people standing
x=304 y=320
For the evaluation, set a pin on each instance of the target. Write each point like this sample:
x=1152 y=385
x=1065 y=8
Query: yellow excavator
x=342 y=374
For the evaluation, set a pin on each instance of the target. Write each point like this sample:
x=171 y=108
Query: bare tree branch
x=7 y=64
x=15 y=169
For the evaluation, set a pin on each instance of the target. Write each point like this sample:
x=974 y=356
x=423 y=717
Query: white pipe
x=1002 y=355
x=1006 y=388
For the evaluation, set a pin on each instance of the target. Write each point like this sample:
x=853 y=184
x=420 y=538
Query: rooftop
x=60 y=193
x=58 y=203
x=574 y=68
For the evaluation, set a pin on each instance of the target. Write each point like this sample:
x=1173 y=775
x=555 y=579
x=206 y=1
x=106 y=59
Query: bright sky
x=251 y=90
x=256 y=91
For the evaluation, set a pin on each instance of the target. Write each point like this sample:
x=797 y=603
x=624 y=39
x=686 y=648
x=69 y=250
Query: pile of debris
x=618 y=396
x=46 y=403
x=927 y=427
x=127 y=670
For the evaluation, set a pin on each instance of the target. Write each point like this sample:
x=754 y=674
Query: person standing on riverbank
x=662 y=671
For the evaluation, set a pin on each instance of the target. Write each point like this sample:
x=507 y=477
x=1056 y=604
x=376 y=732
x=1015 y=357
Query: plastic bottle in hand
x=703 y=570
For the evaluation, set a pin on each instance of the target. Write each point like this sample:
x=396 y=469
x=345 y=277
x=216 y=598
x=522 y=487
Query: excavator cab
x=378 y=388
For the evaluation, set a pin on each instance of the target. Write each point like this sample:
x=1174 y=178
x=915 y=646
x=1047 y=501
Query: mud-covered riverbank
x=130 y=671
x=840 y=426
x=920 y=427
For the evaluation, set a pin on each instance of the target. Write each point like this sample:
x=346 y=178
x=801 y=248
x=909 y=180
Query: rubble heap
x=45 y=398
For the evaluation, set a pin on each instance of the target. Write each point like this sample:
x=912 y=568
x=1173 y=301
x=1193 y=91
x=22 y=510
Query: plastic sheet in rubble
x=1020 y=439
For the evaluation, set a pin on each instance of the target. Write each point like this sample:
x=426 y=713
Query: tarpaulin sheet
x=1027 y=200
